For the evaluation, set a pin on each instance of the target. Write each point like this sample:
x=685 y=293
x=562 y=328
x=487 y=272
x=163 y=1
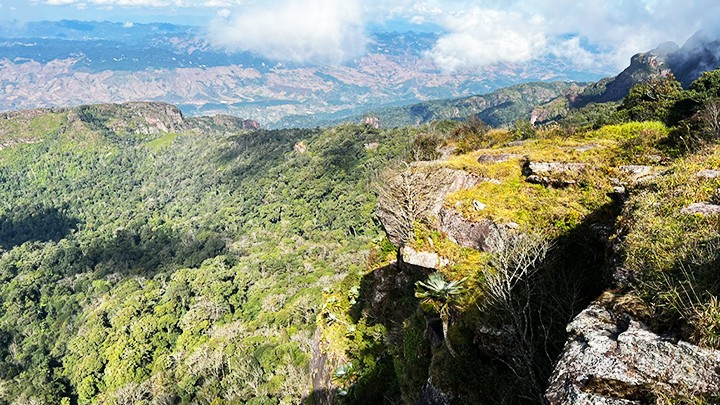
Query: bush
x=425 y=147
x=471 y=135
x=523 y=129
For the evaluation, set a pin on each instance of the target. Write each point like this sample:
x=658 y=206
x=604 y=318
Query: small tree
x=709 y=117
x=404 y=197
x=442 y=296
x=513 y=296
x=425 y=147
x=516 y=257
x=471 y=135
x=523 y=129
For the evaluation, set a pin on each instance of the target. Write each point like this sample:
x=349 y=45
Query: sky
x=473 y=33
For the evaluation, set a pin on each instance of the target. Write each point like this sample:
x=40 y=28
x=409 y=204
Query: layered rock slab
x=612 y=358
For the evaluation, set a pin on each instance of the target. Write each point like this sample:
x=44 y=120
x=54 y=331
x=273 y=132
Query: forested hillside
x=499 y=108
x=146 y=257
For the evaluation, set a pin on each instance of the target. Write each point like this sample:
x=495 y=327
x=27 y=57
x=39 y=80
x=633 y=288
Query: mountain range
x=50 y=64
x=541 y=102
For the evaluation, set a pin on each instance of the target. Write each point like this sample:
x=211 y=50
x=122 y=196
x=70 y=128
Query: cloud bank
x=588 y=33
x=303 y=31
x=147 y=3
x=479 y=37
x=602 y=34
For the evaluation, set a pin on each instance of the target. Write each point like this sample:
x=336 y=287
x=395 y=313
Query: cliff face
x=612 y=357
x=127 y=119
x=141 y=118
x=643 y=67
x=699 y=54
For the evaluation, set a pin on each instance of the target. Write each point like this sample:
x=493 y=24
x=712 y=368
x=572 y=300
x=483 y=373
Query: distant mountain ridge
x=65 y=63
x=542 y=102
x=699 y=54
x=499 y=108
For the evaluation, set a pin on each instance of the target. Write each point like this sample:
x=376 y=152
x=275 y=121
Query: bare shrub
x=405 y=196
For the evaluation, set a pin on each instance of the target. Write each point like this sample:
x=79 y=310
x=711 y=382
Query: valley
x=477 y=207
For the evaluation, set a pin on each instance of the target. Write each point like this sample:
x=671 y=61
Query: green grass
x=674 y=255
x=163 y=141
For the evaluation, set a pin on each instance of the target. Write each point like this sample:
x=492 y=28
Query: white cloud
x=60 y=2
x=149 y=3
x=481 y=37
x=602 y=33
x=478 y=32
x=128 y=24
x=572 y=49
x=316 y=31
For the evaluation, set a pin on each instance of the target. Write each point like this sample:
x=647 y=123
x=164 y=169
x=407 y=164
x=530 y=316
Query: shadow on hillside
x=143 y=250
x=387 y=295
x=505 y=354
x=344 y=155
x=140 y=251
x=35 y=224
x=257 y=152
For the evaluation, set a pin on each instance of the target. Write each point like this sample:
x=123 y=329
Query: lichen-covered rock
x=637 y=174
x=466 y=233
x=504 y=157
x=428 y=260
x=701 y=209
x=551 y=168
x=456 y=180
x=612 y=358
x=708 y=174
x=552 y=174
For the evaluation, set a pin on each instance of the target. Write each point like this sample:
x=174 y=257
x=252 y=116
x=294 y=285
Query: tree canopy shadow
x=39 y=224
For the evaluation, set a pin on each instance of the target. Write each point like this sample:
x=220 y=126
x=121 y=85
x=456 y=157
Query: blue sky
x=475 y=33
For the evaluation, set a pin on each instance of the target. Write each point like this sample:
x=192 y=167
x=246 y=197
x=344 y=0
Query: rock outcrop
x=431 y=395
x=132 y=118
x=428 y=260
x=708 y=174
x=251 y=124
x=300 y=147
x=701 y=209
x=638 y=173
x=466 y=233
x=553 y=174
x=613 y=358
x=372 y=122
